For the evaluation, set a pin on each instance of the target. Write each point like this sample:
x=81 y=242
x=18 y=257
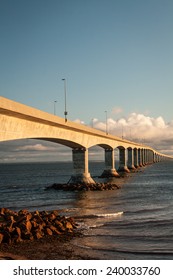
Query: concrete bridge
x=18 y=121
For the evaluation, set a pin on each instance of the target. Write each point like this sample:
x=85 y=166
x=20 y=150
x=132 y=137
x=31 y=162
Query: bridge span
x=18 y=121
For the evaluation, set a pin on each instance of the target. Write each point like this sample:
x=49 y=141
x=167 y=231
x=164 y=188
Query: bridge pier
x=80 y=165
x=151 y=156
x=154 y=158
x=144 y=157
x=123 y=160
x=110 y=170
x=136 y=162
x=131 y=159
x=140 y=157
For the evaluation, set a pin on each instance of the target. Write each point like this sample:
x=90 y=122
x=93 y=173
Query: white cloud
x=141 y=128
x=79 y=121
x=29 y=150
x=116 y=110
x=36 y=147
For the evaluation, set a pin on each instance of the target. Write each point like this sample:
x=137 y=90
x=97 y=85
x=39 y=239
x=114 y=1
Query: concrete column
x=140 y=157
x=143 y=157
x=136 y=162
x=148 y=156
x=154 y=157
x=80 y=165
x=110 y=170
x=151 y=156
x=123 y=160
x=131 y=159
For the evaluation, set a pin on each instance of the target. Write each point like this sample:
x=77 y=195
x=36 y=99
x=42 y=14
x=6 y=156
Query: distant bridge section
x=18 y=121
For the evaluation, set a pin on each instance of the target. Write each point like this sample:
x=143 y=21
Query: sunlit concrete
x=18 y=121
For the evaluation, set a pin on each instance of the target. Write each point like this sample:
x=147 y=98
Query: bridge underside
x=129 y=159
x=22 y=122
x=63 y=142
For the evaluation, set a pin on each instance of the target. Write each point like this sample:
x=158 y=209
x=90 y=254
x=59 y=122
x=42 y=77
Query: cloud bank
x=151 y=131
x=29 y=150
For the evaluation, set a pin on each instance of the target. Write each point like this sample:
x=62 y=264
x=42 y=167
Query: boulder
x=83 y=187
x=49 y=231
x=1 y=237
x=24 y=225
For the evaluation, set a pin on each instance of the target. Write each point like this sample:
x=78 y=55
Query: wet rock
x=28 y=226
x=60 y=226
x=49 y=231
x=34 y=224
x=52 y=217
x=54 y=229
x=6 y=236
x=24 y=225
x=68 y=226
x=1 y=237
x=84 y=187
x=38 y=234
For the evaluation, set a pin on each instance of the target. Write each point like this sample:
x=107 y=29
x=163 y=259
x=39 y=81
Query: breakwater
x=23 y=225
x=84 y=187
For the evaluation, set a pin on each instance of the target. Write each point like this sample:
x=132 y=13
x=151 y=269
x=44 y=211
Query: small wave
x=106 y=215
x=110 y=214
x=69 y=209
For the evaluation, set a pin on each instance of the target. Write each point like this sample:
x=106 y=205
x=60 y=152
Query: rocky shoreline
x=40 y=236
x=16 y=227
x=46 y=235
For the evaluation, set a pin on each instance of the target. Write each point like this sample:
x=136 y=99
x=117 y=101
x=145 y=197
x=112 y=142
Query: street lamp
x=106 y=122
x=55 y=107
x=65 y=112
x=122 y=132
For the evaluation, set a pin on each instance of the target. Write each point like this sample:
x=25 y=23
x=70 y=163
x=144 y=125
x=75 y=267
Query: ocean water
x=133 y=222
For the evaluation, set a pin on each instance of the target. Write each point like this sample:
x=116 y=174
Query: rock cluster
x=84 y=187
x=24 y=225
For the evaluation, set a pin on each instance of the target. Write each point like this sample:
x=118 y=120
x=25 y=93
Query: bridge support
x=136 y=163
x=123 y=160
x=131 y=159
x=110 y=170
x=140 y=157
x=151 y=156
x=80 y=165
x=144 y=160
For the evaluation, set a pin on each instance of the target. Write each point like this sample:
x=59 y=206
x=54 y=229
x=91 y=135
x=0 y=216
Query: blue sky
x=116 y=55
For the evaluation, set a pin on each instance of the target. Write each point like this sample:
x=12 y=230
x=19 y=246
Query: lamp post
x=106 y=122
x=65 y=112
x=55 y=107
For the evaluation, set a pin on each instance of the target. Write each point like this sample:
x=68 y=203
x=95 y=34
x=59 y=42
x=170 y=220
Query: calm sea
x=133 y=222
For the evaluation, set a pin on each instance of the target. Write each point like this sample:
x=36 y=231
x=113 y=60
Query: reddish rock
x=24 y=225
x=28 y=226
x=60 y=226
x=49 y=231
x=1 y=237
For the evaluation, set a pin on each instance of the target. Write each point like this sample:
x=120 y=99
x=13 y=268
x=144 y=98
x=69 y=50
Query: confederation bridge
x=18 y=121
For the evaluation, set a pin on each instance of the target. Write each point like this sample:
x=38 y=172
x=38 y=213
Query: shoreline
x=58 y=247
x=47 y=248
x=52 y=248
